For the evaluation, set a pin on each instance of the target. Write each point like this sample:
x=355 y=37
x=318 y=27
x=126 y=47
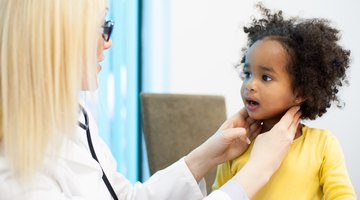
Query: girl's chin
x=255 y=116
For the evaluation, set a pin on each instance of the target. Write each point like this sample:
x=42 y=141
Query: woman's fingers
x=250 y=120
x=255 y=132
x=239 y=119
x=233 y=134
x=287 y=119
x=243 y=113
x=253 y=126
x=293 y=126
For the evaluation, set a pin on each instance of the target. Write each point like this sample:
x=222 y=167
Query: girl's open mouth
x=251 y=105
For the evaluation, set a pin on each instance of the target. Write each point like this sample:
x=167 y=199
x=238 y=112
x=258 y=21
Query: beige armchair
x=175 y=124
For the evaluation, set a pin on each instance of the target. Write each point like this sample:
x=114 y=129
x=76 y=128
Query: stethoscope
x=93 y=154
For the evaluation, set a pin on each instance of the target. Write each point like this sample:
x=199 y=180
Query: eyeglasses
x=107 y=29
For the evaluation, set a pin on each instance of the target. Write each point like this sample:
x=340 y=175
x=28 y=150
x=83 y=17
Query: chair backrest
x=175 y=124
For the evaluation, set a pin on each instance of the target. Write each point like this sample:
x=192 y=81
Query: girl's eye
x=266 y=78
x=245 y=75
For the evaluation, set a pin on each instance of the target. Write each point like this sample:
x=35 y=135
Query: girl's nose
x=251 y=85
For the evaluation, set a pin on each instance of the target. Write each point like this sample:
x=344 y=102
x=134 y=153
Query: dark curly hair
x=317 y=64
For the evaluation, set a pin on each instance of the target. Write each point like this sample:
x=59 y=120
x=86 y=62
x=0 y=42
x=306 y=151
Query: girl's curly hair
x=317 y=64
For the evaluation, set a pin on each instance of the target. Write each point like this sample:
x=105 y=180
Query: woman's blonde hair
x=46 y=47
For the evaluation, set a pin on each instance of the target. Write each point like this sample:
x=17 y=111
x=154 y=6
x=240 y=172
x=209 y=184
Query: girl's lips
x=252 y=105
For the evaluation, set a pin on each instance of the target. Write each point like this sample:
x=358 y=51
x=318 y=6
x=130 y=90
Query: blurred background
x=191 y=46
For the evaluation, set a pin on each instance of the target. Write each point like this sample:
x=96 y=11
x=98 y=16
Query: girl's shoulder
x=318 y=136
x=320 y=133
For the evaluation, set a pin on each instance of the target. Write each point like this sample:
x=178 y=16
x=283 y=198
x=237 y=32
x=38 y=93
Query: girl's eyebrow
x=267 y=69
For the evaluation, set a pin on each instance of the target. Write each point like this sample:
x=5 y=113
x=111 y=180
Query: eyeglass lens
x=107 y=30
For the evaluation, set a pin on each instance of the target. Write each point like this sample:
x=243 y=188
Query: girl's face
x=266 y=90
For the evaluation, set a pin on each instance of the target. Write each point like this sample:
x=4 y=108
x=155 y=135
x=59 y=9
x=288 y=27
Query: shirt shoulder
x=316 y=137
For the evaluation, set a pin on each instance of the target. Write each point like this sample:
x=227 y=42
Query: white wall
x=206 y=39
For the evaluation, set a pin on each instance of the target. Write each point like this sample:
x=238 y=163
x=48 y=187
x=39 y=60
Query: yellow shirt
x=314 y=168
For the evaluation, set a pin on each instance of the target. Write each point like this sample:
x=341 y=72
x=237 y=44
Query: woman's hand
x=269 y=150
x=230 y=141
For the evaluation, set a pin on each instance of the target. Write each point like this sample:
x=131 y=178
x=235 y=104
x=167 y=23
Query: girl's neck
x=269 y=124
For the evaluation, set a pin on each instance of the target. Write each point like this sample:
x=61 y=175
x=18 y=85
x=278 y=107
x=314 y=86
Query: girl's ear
x=299 y=100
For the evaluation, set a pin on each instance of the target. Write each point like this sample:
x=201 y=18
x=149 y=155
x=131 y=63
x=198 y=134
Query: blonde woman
x=49 y=146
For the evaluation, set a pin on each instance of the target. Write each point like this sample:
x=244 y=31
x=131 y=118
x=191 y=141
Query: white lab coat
x=76 y=175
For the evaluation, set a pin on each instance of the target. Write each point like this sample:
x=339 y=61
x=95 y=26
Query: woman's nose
x=107 y=44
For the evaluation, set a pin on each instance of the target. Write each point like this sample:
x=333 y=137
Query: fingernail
x=248 y=140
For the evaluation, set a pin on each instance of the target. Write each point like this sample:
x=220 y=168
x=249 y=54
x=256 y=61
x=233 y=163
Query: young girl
x=294 y=62
x=49 y=145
